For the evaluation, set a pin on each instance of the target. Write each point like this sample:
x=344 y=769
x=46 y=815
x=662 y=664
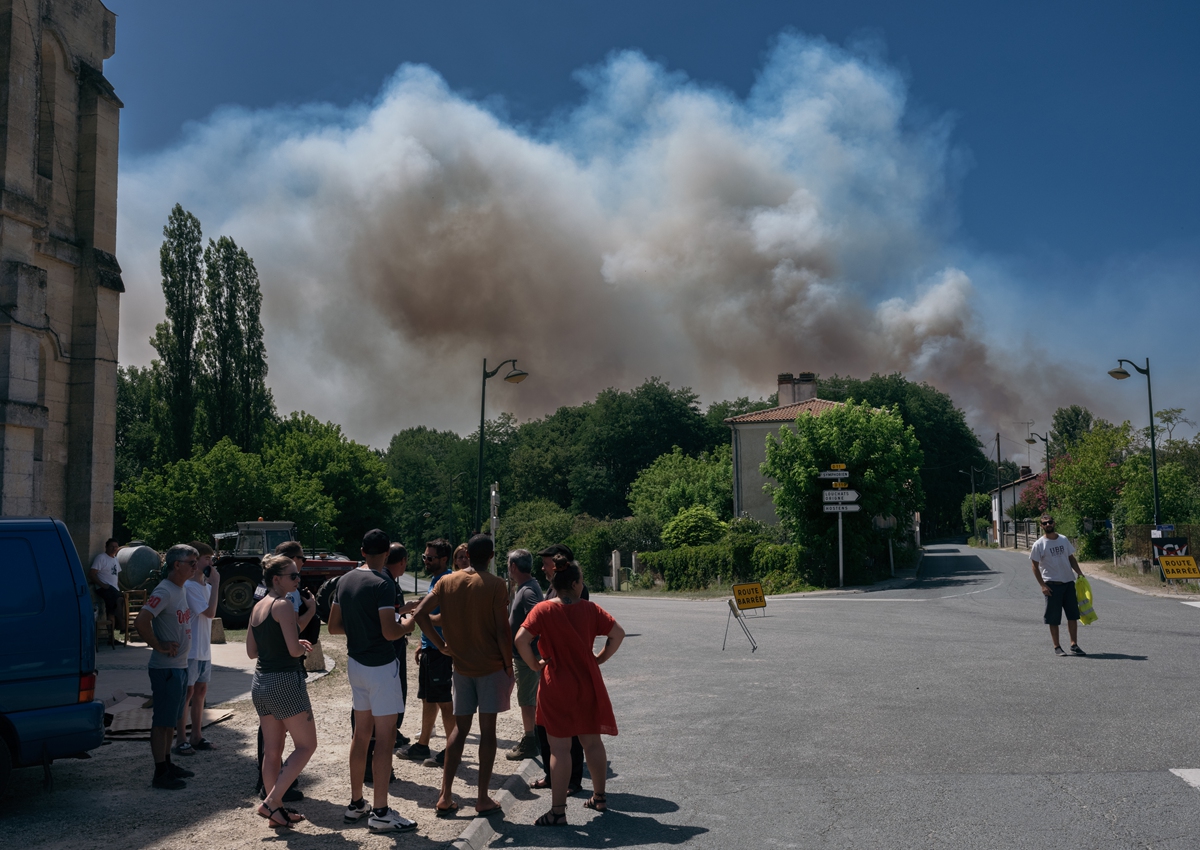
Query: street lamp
x=1120 y=374
x=513 y=377
x=450 y=505
x=1030 y=439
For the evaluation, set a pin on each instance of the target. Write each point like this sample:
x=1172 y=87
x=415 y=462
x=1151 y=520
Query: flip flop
x=540 y=783
x=448 y=812
x=204 y=744
x=494 y=810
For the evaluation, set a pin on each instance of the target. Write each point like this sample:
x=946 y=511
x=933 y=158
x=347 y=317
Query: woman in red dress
x=572 y=700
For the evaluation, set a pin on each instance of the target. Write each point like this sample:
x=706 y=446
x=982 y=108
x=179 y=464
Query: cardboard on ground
x=1175 y=566
x=749 y=595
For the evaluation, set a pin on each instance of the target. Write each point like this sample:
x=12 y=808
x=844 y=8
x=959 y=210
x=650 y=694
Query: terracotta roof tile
x=786 y=413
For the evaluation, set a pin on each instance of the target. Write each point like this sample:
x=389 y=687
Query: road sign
x=837 y=466
x=749 y=595
x=828 y=496
x=834 y=473
x=1174 y=566
x=842 y=509
x=841 y=484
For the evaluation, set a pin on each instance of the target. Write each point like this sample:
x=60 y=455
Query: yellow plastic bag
x=1083 y=593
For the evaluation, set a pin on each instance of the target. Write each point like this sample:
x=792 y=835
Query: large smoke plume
x=659 y=228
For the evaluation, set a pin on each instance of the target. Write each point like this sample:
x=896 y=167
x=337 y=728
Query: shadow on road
x=1117 y=656
x=611 y=829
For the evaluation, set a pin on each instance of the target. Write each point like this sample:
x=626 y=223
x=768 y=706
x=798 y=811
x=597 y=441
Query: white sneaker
x=356 y=811
x=390 y=821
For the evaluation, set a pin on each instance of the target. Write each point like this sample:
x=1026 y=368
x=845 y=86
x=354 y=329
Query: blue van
x=48 y=708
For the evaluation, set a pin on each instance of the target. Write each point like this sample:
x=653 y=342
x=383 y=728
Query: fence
x=1021 y=534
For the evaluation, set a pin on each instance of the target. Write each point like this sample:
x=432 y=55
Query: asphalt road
x=933 y=715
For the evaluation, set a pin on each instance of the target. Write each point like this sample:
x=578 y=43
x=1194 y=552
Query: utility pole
x=999 y=496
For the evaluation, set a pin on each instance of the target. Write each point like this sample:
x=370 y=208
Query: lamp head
x=1119 y=373
x=1031 y=441
x=516 y=375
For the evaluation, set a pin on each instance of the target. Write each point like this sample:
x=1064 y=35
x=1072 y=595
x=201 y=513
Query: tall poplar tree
x=175 y=339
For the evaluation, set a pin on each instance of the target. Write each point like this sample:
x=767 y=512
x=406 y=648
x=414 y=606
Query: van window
x=274 y=538
x=19 y=577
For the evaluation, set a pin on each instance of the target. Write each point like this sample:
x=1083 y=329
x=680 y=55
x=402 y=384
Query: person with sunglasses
x=278 y=689
x=434 y=670
x=1055 y=568
x=165 y=624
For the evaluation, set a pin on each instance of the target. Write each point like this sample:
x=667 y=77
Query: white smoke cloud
x=661 y=227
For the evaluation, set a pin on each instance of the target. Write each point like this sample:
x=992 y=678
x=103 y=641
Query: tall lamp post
x=513 y=377
x=1120 y=374
x=1030 y=439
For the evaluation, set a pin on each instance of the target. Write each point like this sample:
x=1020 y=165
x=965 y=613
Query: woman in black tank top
x=278 y=691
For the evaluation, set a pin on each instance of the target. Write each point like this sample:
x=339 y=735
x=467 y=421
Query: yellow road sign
x=841 y=485
x=749 y=595
x=837 y=466
x=1174 y=566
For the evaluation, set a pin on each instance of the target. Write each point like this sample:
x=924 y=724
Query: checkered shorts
x=280 y=695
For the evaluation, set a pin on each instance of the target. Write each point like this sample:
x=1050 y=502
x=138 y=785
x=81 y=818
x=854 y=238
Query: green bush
x=698 y=525
x=690 y=567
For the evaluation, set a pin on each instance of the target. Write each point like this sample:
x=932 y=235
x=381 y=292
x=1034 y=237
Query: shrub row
x=781 y=567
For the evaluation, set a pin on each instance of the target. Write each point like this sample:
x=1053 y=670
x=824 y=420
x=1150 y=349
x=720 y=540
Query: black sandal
x=552 y=819
x=599 y=802
x=290 y=824
x=292 y=815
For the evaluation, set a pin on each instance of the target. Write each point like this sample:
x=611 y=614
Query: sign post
x=839 y=501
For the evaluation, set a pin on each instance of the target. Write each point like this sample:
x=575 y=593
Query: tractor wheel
x=238 y=582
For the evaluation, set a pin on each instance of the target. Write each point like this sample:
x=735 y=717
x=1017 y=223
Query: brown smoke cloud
x=661 y=228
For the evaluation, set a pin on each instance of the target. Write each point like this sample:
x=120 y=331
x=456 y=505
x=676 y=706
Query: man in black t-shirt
x=364 y=610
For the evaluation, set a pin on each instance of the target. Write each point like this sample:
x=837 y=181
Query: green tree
x=190 y=499
x=978 y=514
x=676 y=481
x=884 y=460
x=698 y=525
x=175 y=339
x=719 y=411
x=1087 y=482
x=352 y=475
x=435 y=472
x=941 y=429
x=1179 y=492
x=137 y=443
x=1068 y=426
x=533 y=525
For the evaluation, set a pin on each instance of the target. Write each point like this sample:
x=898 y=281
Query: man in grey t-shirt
x=165 y=623
x=1055 y=568
x=526 y=594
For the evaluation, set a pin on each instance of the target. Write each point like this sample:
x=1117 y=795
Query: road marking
x=1190 y=776
x=1193 y=604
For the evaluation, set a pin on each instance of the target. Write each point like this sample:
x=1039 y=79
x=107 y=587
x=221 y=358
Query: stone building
x=60 y=283
x=797 y=395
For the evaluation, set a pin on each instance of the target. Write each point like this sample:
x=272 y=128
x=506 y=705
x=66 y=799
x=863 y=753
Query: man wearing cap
x=474 y=606
x=575 y=784
x=1055 y=568
x=364 y=610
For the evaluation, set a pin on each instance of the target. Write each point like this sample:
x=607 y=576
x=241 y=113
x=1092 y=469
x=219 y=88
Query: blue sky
x=1045 y=152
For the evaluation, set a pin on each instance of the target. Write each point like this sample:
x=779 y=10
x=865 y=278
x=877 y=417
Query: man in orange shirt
x=476 y=635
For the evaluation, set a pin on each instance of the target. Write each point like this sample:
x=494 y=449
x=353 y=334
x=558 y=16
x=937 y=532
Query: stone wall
x=60 y=282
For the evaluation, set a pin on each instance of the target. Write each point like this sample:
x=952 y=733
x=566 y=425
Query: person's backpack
x=325 y=596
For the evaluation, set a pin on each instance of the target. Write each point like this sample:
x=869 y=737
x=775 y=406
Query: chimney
x=796 y=388
x=786 y=392
x=1024 y=472
x=804 y=386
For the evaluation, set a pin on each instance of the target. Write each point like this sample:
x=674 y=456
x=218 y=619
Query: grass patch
x=1130 y=575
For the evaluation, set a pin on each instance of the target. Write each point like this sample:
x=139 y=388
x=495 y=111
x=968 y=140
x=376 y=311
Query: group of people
x=478 y=642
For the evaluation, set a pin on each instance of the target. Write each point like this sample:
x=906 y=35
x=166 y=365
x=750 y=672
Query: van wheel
x=5 y=766
x=238 y=582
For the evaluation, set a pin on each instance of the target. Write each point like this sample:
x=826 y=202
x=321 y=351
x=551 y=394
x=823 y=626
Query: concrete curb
x=481 y=830
x=1161 y=594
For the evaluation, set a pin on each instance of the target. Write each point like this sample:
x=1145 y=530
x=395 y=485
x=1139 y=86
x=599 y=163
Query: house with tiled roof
x=797 y=395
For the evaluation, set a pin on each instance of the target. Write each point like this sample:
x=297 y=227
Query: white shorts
x=491 y=694
x=376 y=689
x=199 y=672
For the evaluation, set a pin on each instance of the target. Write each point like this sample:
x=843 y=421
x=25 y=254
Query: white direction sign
x=842 y=509
x=834 y=473
x=839 y=496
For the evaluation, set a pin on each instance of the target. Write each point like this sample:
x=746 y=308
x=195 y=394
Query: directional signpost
x=839 y=501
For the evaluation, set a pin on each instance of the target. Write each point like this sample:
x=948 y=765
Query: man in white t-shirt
x=103 y=573
x=1055 y=568
x=202 y=595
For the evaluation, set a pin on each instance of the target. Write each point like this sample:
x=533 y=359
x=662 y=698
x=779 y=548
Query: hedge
x=781 y=567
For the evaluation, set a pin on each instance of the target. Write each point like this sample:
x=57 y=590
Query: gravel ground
x=107 y=801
